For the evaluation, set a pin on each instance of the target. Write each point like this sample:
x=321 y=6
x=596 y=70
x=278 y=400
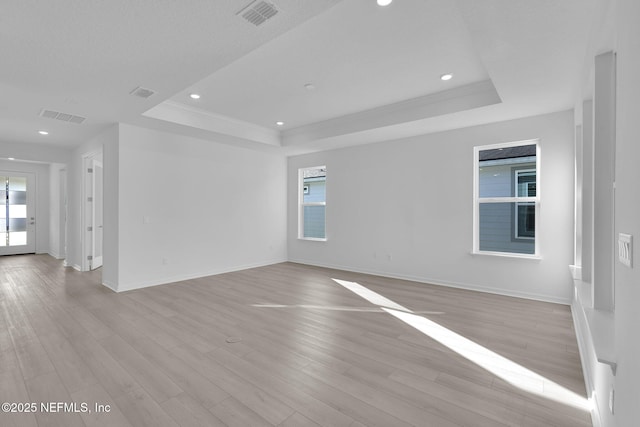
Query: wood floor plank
x=89 y=322
x=110 y=374
x=156 y=383
x=280 y=345
x=73 y=371
x=33 y=359
x=234 y=414
x=298 y=420
x=141 y=410
x=46 y=389
x=13 y=390
x=186 y=411
x=388 y=402
x=306 y=405
x=157 y=359
x=331 y=395
x=259 y=401
x=103 y=410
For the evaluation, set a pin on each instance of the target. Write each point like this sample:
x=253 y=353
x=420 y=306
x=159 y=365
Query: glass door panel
x=17 y=210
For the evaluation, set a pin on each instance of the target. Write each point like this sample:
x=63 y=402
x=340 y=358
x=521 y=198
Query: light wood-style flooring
x=282 y=345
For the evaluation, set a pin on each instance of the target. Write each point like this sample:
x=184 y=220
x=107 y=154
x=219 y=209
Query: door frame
x=32 y=200
x=87 y=209
x=98 y=202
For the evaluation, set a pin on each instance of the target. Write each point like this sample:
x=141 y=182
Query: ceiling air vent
x=65 y=117
x=258 y=11
x=142 y=92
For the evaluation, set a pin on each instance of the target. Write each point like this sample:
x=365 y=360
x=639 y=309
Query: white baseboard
x=585 y=348
x=110 y=286
x=419 y=279
x=56 y=255
x=123 y=287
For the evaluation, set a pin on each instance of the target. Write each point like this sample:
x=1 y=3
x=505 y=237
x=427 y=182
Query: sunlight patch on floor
x=511 y=372
x=371 y=296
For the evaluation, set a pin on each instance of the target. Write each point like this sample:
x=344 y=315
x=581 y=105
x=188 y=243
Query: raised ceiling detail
x=376 y=71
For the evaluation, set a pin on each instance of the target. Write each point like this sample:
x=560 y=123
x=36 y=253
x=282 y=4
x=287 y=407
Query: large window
x=312 y=204
x=507 y=200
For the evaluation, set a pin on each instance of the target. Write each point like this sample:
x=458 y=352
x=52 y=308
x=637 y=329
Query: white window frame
x=477 y=200
x=516 y=175
x=302 y=205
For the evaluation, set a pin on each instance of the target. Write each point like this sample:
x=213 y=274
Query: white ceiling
x=375 y=70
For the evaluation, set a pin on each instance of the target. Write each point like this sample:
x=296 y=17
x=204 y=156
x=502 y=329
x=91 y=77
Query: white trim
x=517 y=173
x=426 y=280
x=96 y=261
x=110 y=285
x=123 y=287
x=473 y=95
x=585 y=348
x=187 y=115
x=55 y=255
x=508 y=255
x=84 y=244
x=507 y=199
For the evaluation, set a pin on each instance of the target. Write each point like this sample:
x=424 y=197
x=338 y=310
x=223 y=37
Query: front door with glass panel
x=17 y=213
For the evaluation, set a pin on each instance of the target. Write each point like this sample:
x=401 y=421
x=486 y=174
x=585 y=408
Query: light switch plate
x=625 y=249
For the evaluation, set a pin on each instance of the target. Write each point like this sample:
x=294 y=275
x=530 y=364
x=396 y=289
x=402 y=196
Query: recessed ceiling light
x=194 y=96
x=384 y=2
x=446 y=77
x=280 y=123
x=309 y=86
x=43 y=132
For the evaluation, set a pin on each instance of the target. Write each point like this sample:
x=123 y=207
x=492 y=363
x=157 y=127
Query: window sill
x=507 y=255
x=601 y=327
x=312 y=239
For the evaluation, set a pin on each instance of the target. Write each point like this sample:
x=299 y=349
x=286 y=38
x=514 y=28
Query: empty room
x=319 y=213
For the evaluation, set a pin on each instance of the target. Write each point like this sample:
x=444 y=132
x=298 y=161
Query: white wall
x=620 y=325
x=34 y=152
x=107 y=141
x=627 y=214
x=404 y=209
x=57 y=210
x=191 y=208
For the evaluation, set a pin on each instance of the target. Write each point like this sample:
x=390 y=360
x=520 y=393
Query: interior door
x=17 y=213
x=97 y=214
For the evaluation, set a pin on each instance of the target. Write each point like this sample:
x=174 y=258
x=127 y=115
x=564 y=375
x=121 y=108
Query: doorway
x=17 y=213
x=97 y=209
x=93 y=211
